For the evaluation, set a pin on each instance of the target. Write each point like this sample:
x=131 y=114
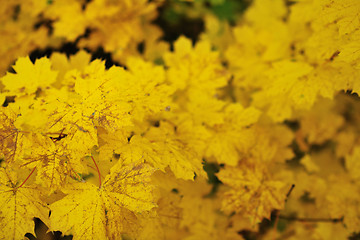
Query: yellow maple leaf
x=342 y=201
x=315 y=125
x=265 y=12
x=296 y=85
x=252 y=193
x=171 y=150
x=195 y=68
x=69 y=20
x=19 y=205
x=270 y=144
x=29 y=77
x=231 y=138
x=92 y=212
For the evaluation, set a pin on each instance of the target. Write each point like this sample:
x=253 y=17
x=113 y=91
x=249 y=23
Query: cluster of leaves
x=255 y=120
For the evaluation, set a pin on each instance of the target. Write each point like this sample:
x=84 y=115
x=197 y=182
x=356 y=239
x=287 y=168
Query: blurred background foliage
x=175 y=18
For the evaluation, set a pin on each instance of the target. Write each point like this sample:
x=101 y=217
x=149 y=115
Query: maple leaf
x=69 y=20
x=251 y=193
x=29 y=77
x=174 y=152
x=342 y=201
x=19 y=205
x=91 y=212
x=195 y=68
x=315 y=125
x=297 y=85
x=150 y=93
x=231 y=138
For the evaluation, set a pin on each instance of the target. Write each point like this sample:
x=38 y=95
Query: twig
x=333 y=220
x=277 y=212
x=289 y=192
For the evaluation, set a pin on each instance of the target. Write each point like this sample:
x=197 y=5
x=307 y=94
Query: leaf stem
x=26 y=178
x=97 y=170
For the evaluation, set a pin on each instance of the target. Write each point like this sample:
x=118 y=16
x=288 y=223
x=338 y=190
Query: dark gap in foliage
x=39 y=53
x=294 y=125
x=156 y=124
x=131 y=135
x=41 y=233
x=106 y=56
x=229 y=10
x=306 y=198
x=264 y=226
x=16 y=12
x=211 y=169
x=322 y=146
x=69 y=48
x=141 y=47
x=355 y=236
x=8 y=99
x=116 y=156
x=352 y=94
x=289 y=3
x=190 y=28
x=298 y=155
x=247 y=235
x=10 y=69
x=84 y=5
x=46 y=23
x=351 y=107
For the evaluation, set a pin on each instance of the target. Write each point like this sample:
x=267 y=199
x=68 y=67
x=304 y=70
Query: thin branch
x=277 y=212
x=97 y=170
x=289 y=192
x=333 y=220
x=26 y=178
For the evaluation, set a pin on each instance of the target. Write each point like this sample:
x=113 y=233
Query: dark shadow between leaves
x=42 y=233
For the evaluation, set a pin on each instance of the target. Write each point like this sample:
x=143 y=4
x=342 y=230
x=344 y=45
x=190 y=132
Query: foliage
x=248 y=130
